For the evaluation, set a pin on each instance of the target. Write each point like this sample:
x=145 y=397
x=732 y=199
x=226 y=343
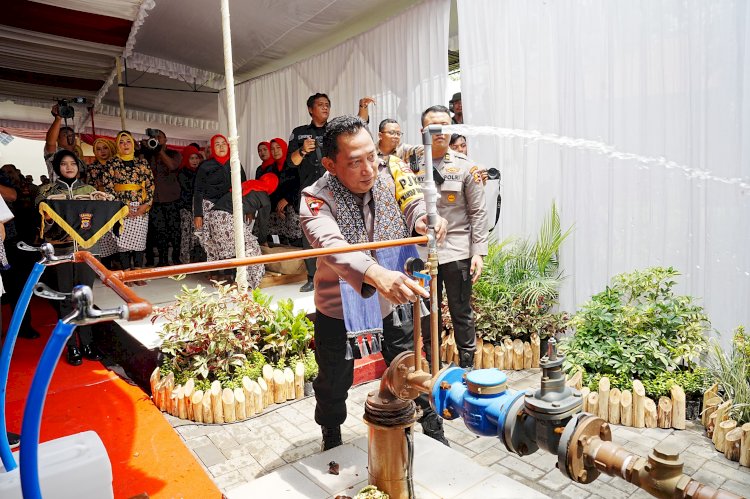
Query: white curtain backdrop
x=664 y=79
x=403 y=64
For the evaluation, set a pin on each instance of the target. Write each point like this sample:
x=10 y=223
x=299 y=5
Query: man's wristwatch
x=302 y=152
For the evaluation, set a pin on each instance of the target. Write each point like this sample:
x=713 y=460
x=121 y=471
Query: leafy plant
x=520 y=284
x=211 y=332
x=732 y=372
x=311 y=365
x=637 y=327
x=288 y=334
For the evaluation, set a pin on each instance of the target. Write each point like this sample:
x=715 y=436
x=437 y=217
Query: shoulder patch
x=313 y=203
x=476 y=174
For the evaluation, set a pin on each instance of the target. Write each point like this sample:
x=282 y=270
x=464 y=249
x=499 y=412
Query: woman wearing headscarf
x=212 y=183
x=131 y=181
x=190 y=248
x=264 y=151
x=67 y=186
x=104 y=150
x=285 y=200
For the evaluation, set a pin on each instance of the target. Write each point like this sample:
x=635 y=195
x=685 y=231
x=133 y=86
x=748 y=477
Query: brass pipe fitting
x=432 y=266
x=590 y=451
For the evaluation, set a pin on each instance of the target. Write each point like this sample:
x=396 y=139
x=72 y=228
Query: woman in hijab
x=104 y=150
x=190 y=248
x=67 y=185
x=264 y=151
x=131 y=181
x=212 y=183
x=285 y=200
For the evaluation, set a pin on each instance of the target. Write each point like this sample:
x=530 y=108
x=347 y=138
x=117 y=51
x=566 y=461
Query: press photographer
x=61 y=137
x=164 y=223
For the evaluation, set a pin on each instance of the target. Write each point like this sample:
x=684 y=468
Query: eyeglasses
x=394 y=134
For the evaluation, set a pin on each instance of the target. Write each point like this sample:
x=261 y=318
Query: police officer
x=305 y=144
x=389 y=137
x=336 y=210
x=461 y=201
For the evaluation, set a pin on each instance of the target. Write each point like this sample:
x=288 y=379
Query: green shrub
x=637 y=327
x=519 y=285
x=732 y=372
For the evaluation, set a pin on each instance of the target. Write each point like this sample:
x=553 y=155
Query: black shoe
x=308 y=286
x=14 y=439
x=90 y=352
x=466 y=359
x=331 y=437
x=74 y=357
x=432 y=426
x=29 y=334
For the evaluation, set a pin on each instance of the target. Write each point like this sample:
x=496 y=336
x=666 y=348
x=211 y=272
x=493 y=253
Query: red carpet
x=147 y=455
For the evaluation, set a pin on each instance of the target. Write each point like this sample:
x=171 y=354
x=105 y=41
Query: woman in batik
x=131 y=181
x=213 y=182
x=285 y=200
x=190 y=248
x=104 y=150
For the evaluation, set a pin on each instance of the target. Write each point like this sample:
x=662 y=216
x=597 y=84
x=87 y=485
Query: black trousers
x=258 y=204
x=165 y=222
x=131 y=259
x=310 y=263
x=336 y=374
x=455 y=277
x=68 y=276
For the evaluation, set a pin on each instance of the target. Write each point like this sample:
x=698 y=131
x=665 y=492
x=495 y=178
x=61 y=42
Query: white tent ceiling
x=172 y=44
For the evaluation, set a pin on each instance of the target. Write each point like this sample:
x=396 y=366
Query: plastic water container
x=70 y=467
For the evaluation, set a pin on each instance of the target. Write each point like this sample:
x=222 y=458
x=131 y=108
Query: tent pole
x=121 y=94
x=234 y=157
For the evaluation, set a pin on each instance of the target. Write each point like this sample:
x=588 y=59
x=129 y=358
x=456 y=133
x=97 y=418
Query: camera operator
x=165 y=214
x=60 y=137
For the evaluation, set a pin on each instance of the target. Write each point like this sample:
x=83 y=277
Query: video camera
x=65 y=110
x=152 y=142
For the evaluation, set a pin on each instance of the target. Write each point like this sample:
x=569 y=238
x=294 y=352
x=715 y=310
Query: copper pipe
x=417 y=321
x=434 y=315
x=388 y=458
x=192 y=268
x=138 y=308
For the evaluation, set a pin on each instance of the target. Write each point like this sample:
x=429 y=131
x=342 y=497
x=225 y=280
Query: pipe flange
x=395 y=377
x=573 y=443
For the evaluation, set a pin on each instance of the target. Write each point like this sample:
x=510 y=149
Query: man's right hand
x=396 y=287
x=308 y=146
x=55 y=111
x=198 y=222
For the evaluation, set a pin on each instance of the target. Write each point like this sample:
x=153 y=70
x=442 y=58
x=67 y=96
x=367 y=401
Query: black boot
x=466 y=359
x=74 y=356
x=308 y=286
x=14 y=439
x=432 y=426
x=331 y=437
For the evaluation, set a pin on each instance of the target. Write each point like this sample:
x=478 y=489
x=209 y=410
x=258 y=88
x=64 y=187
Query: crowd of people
x=330 y=184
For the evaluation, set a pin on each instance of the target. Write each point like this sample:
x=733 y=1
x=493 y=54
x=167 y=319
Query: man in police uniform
x=389 y=137
x=461 y=201
x=305 y=145
x=356 y=177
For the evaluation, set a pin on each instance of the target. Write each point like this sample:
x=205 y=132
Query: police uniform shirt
x=461 y=201
x=318 y=218
x=311 y=168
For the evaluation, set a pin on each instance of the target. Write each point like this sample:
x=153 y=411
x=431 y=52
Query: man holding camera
x=305 y=144
x=165 y=214
x=61 y=137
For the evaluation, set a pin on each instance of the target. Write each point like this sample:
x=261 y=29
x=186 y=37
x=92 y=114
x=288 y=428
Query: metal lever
x=48 y=253
x=84 y=312
x=43 y=291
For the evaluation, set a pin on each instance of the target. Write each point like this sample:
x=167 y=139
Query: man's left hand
x=441 y=228
x=477 y=263
x=366 y=101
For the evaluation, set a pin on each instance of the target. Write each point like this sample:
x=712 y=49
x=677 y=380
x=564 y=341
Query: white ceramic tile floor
x=440 y=473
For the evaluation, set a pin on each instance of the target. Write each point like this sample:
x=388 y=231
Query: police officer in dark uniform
x=305 y=145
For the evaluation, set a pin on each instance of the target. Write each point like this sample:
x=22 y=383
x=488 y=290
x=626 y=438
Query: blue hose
x=32 y=416
x=10 y=341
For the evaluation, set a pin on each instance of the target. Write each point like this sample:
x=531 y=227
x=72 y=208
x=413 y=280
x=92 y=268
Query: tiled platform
x=440 y=472
x=243 y=453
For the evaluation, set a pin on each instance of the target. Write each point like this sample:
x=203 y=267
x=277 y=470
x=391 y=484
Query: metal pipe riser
x=390 y=444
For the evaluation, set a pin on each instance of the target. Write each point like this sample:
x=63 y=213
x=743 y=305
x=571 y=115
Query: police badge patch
x=314 y=204
x=86 y=220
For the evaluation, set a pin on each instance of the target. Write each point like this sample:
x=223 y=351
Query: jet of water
x=599 y=148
